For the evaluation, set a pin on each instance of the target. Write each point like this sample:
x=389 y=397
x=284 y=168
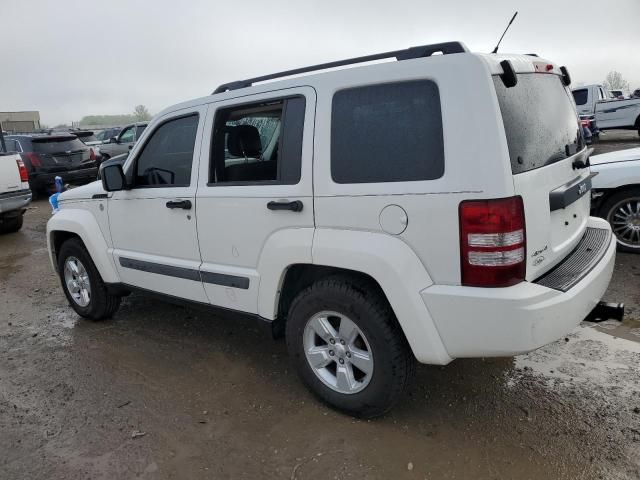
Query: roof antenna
x=495 y=50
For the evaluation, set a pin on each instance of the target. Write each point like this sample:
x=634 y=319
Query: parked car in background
x=619 y=94
x=46 y=156
x=616 y=194
x=610 y=113
x=636 y=93
x=107 y=133
x=15 y=194
x=112 y=161
x=90 y=140
x=343 y=209
x=589 y=128
x=123 y=142
x=87 y=137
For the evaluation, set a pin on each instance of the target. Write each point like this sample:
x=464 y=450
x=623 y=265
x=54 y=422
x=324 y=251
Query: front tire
x=348 y=348
x=82 y=284
x=622 y=211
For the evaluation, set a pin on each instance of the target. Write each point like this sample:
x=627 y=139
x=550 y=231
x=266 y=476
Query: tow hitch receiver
x=605 y=311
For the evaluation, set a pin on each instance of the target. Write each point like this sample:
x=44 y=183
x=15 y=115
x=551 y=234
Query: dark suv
x=47 y=156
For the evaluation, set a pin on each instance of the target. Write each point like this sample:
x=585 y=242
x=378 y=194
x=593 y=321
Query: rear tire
x=82 y=284
x=376 y=362
x=622 y=211
x=11 y=224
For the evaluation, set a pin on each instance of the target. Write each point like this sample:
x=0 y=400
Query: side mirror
x=113 y=140
x=113 y=178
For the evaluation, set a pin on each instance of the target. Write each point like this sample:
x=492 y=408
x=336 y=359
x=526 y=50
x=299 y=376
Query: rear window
x=581 y=96
x=540 y=121
x=387 y=133
x=57 y=145
x=87 y=138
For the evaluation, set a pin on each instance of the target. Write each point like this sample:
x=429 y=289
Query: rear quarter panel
x=615 y=175
x=476 y=161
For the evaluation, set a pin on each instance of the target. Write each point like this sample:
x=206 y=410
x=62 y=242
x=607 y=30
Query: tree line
x=140 y=114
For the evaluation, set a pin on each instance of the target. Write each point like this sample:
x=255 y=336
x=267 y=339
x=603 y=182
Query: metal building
x=23 y=122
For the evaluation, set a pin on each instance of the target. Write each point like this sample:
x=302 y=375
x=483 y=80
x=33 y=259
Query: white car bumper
x=479 y=322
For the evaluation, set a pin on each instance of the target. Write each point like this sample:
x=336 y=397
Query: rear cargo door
x=60 y=153
x=548 y=158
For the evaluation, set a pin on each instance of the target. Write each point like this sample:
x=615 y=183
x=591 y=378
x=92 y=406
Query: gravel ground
x=611 y=140
x=168 y=392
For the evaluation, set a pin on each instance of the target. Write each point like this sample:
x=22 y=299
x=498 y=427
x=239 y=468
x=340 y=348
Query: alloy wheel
x=77 y=281
x=624 y=218
x=338 y=352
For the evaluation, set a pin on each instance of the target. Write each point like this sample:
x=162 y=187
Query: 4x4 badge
x=582 y=189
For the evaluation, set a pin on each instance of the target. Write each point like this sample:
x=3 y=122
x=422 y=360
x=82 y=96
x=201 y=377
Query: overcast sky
x=68 y=59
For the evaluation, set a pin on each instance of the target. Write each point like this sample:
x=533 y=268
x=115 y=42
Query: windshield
x=57 y=145
x=540 y=121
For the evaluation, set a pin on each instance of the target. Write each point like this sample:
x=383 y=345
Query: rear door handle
x=184 y=204
x=295 y=206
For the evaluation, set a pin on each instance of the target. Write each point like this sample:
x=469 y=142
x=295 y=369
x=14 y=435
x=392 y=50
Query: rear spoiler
x=510 y=78
x=53 y=138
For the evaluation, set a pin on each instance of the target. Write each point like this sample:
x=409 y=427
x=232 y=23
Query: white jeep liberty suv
x=428 y=208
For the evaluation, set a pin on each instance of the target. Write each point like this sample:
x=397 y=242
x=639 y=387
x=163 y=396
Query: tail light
x=492 y=242
x=92 y=154
x=34 y=159
x=24 y=175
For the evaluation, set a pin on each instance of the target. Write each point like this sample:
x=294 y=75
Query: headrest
x=244 y=141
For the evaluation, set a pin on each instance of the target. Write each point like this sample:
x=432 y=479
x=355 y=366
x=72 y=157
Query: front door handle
x=184 y=204
x=295 y=206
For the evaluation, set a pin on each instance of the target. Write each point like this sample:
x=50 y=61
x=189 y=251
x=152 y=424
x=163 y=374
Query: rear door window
x=581 y=96
x=258 y=143
x=387 y=133
x=540 y=121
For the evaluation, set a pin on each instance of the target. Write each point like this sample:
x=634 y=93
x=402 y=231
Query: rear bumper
x=14 y=201
x=477 y=322
x=39 y=181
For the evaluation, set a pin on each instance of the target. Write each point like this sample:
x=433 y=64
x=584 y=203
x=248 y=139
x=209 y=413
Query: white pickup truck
x=14 y=192
x=610 y=112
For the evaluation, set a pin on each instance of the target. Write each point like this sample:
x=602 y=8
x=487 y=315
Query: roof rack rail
x=406 y=54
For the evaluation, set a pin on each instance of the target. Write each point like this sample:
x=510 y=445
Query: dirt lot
x=611 y=140
x=168 y=392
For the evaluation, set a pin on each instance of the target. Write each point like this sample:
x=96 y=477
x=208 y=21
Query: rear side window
x=167 y=156
x=57 y=145
x=540 y=121
x=387 y=133
x=11 y=144
x=581 y=96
